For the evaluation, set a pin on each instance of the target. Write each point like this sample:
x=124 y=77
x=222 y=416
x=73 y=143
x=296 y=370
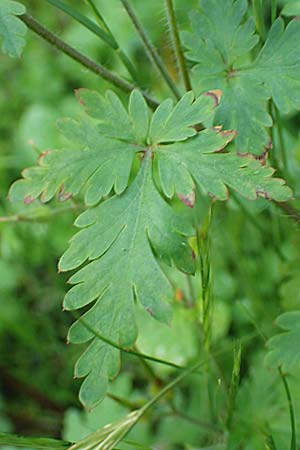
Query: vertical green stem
x=282 y=148
x=181 y=62
x=259 y=18
x=235 y=379
x=273 y=10
x=150 y=49
x=203 y=245
x=291 y=410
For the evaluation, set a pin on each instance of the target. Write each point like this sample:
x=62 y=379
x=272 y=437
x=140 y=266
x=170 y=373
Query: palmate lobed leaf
x=123 y=238
x=12 y=30
x=220 y=45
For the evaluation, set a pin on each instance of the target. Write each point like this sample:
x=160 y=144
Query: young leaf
x=12 y=30
x=220 y=45
x=284 y=348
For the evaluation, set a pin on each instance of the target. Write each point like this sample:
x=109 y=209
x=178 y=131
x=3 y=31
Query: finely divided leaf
x=12 y=29
x=123 y=237
x=220 y=44
x=284 y=349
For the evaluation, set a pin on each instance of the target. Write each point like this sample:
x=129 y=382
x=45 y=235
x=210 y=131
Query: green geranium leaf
x=284 y=348
x=12 y=29
x=220 y=45
x=124 y=237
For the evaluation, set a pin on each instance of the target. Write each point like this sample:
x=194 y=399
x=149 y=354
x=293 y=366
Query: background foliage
x=252 y=250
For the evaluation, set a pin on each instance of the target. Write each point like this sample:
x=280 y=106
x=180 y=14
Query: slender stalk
x=150 y=49
x=38 y=215
x=193 y=420
x=97 y=68
x=291 y=410
x=106 y=35
x=123 y=401
x=259 y=18
x=282 y=148
x=170 y=386
x=192 y=297
x=203 y=247
x=126 y=61
x=273 y=10
x=235 y=379
x=290 y=211
x=270 y=443
x=33 y=442
x=181 y=62
x=119 y=347
x=85 y=21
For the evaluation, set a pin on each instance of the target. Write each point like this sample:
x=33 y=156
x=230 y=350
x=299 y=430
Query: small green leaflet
x=129 y=227
x=12 y=29
x=220 y=45
x=284 y=349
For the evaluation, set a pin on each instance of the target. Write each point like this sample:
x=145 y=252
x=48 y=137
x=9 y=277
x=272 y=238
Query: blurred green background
x=255 y=260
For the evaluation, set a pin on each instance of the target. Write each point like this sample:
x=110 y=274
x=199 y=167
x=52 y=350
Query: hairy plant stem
x=85 y=21
x=105 y=35
x=97 y=68
x=150 y=49
x=291 y=410
x=259 y=18
x=181 y=62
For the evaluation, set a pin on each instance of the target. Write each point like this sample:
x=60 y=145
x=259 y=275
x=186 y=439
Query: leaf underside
x=129 y=227
x=220 y=46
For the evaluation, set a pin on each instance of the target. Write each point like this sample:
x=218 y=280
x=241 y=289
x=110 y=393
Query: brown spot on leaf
x=43 y=155
x=178 y=295
x=62 y=195
x=78 y=96
x=188 y=200
x=28 y=199
x=149 y=311
x=261 y=193
x=216 y=95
